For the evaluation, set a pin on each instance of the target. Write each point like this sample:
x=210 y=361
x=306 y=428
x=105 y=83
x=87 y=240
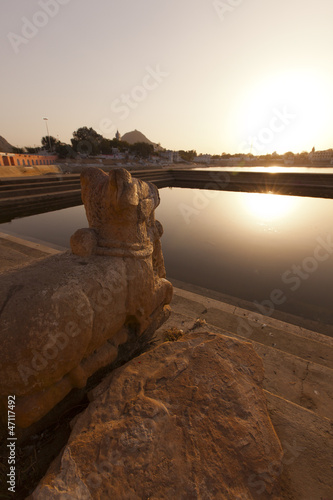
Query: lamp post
x=48 y=133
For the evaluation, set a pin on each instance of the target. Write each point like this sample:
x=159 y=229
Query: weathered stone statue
x=63 y=318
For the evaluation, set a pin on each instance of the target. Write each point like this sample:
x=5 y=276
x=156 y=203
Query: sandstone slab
x=186 y=420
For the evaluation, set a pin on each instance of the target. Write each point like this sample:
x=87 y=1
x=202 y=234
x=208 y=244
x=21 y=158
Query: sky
x=235 y=76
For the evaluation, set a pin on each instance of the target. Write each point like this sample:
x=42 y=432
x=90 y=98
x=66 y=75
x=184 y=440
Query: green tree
x=64 y=150
x=49 y=142
x=32 y=151
x=105 y=146
x=121 y=145
x=188 y=155
x=142 y=149
x=87 y=141
x=18 y=151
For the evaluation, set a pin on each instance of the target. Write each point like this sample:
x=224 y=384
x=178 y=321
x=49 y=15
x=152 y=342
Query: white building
x=203 y=158
x=170 y=156
x=321 y=156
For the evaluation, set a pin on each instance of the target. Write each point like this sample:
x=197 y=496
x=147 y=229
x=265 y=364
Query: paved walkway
x=16 y=252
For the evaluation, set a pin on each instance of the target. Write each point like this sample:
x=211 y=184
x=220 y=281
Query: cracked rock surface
x=187 y=419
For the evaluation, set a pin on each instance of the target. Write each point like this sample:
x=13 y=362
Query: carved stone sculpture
x=63 y=318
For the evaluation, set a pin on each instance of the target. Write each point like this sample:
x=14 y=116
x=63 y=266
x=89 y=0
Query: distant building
x=170 y=156
x=118 y=136
x=203 y=158
x=321 y=156
x=25 y=160
x=234 y=160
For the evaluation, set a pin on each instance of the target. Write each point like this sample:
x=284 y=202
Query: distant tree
x=32 y=151
x=18 y=151
x=188 y=155
x=87 y=141
x=266 y=157
x=121 y=145
x=49 y=142
x=142 y=149
x=303 y=156
x=64 y=150
x=105 y=146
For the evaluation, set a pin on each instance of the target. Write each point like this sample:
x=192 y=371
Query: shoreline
x=16 y=252
x=63 y=167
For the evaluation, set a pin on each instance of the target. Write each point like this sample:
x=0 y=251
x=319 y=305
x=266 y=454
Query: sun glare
x=268 y=206
x=286 y=112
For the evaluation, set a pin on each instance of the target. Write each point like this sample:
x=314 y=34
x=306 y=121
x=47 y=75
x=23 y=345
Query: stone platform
x=298 y=385
x=298 y=366
x=17 y=252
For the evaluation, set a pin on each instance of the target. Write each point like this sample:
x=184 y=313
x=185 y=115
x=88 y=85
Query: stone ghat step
x=11 y=186
x=306 y=384
x=307 y=442
x=293 y=184
x=35 y=190
x=25 y=200
x=23 y=187
x=306 y=435
x=35 y=205
x=314 y=185
x=306 y=344
x=36 y=179
x=31 y=179
x=261 y=178
x=303 y=382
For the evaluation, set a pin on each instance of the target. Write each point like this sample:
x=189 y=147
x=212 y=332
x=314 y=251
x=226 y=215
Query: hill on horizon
x=136 y=136
x=5 y=147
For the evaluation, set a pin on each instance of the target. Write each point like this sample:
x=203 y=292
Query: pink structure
x=25 y=160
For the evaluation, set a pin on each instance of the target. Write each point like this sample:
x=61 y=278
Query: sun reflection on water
x=268 y=206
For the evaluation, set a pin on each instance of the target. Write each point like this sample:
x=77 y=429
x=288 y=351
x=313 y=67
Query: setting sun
x=286 y=111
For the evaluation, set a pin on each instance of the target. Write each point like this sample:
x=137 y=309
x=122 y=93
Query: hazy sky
x=227 y=75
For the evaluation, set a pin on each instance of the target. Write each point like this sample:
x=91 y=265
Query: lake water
x=256 y=247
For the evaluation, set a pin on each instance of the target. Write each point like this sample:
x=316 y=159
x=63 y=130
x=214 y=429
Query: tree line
x=87 y=142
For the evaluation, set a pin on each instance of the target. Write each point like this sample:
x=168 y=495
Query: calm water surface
x=256 y=247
